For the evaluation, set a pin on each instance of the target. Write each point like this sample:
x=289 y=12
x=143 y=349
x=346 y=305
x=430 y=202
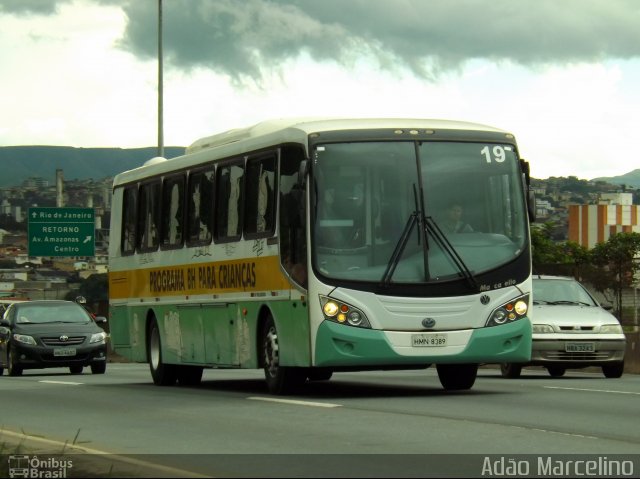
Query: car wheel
x=98 y=368
x=13 y=369
x=75 y=369
x=556 y=371
x=510 y=370
x=280 y=380
x=613 y=370
x=162 y=374
x=455 y=377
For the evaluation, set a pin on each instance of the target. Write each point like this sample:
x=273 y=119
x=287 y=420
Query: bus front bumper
x=339 y=345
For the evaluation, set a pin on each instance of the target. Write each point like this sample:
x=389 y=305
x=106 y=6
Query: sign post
x=61 y=232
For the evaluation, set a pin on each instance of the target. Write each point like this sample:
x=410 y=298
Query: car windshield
x=560 y=291
x=51 y=313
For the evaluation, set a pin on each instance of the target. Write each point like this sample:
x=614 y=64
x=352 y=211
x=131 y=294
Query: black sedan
x=51 y=334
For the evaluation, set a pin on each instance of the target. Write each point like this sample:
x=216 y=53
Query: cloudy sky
x=562 y=75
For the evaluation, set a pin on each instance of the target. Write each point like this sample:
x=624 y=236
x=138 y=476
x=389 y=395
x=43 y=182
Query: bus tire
x=456 y=377
x=189 y=375
x=510 y=370
x=280 y=379
x=162 y=374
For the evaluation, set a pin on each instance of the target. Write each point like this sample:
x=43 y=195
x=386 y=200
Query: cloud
x=242 y=39
x=245 y=39
x=27 y=7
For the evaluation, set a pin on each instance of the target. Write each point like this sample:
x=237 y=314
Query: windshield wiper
x=446 y=246
x=400 y=246
x=417 y=217
x=564 y=301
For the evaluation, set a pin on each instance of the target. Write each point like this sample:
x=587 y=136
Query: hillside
x=631 y=179
x=96 y=163
x=77 y=163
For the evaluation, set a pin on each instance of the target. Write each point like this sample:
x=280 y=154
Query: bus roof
x=279 y=131
x=310 y=125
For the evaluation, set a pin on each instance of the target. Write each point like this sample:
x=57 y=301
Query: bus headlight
x=508 y=312
x=343 y=313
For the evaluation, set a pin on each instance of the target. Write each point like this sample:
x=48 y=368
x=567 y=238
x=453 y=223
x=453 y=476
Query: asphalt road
x=374 y=424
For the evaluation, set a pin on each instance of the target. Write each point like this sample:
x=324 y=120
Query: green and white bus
x=314 y=246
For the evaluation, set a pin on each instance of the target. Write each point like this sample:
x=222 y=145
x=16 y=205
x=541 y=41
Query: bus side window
x=200 y=207
x=229 y=200
x=173 y=211
x=129 y=209
x=149 y=217
x=292 y=216
x=259 y=197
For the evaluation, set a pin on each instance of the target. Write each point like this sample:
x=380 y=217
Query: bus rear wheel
x=280 y=379
x=456 y=377
x=162 y=374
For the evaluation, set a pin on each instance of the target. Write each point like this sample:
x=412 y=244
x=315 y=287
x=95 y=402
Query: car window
x=66 y=313
x=555 y=291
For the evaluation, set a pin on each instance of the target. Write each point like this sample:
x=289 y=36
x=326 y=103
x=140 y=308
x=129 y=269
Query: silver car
x=571 y=330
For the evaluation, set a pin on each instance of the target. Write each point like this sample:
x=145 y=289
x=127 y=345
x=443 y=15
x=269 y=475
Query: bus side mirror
x=531 y=205
x=531 y=196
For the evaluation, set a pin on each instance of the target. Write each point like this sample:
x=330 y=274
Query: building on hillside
x=592 y=224
x=615 y=199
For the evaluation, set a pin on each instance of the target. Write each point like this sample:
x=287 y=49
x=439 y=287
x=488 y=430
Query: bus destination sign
x=61 y=232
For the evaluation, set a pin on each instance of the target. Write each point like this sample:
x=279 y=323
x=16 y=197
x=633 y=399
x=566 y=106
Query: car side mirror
x=100 y=319
x=5 y=323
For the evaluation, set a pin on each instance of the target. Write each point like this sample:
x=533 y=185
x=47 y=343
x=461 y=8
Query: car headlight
x=24 y=339
x=98 y=337
x=508 y=312
x=611 y=329
x=541 y=328
x=343 y=313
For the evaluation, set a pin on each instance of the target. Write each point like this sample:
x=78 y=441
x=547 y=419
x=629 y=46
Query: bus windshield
x=415 y=212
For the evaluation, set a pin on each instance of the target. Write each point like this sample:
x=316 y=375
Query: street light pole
x=160 y=89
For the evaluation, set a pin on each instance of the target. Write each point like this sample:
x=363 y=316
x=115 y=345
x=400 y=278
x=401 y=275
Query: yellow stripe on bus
x=246 y=275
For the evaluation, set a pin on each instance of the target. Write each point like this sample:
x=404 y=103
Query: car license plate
x=428 y=340
x=64 y=351
x=579 y=347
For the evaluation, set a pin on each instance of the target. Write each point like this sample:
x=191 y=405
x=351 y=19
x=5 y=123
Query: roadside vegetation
x=610 y=267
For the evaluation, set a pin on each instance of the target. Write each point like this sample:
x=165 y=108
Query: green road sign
x=62 y=232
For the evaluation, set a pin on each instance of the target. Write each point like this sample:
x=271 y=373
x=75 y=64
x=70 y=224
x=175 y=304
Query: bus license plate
x=579 y=347
x=64 y=351
x=428 y=340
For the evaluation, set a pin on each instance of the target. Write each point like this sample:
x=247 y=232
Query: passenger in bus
x=453 y=223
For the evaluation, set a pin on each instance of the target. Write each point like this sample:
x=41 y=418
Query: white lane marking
x=293 y=401
x=593 y=390
x=60 y=382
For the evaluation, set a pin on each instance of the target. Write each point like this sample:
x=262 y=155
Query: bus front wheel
x=162 y=374
x=455 y=377
x=280 y=379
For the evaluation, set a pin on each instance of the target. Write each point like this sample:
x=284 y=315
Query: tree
x=95 y=289
x=619 y=259
x=547 y=252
